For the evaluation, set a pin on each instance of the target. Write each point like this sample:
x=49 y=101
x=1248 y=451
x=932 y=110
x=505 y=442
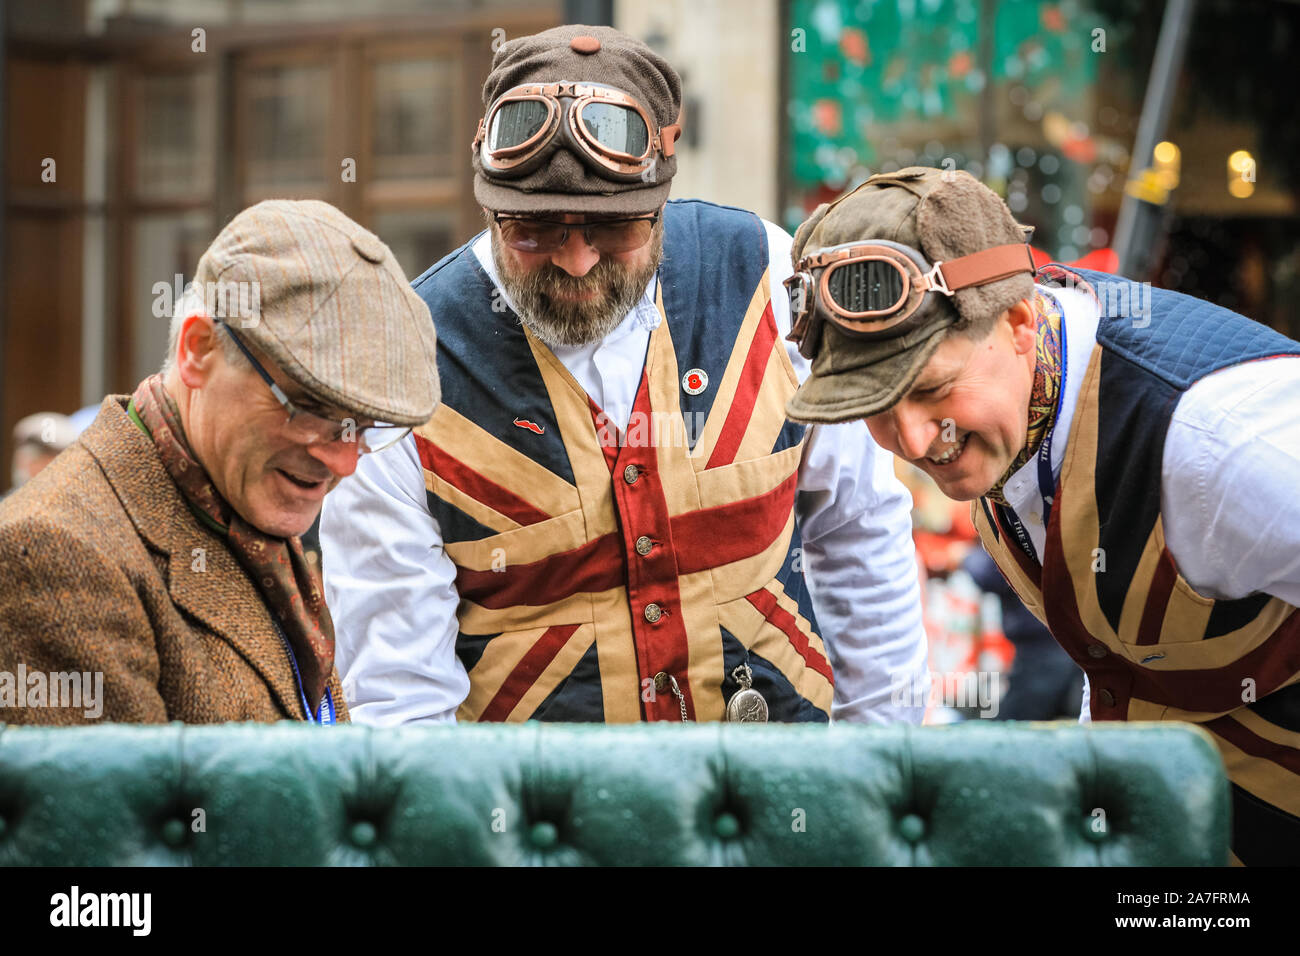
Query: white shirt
x=1229 y=477
x=391 y=588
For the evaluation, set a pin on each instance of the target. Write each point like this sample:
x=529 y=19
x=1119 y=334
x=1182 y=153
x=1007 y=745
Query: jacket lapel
x=203 y=576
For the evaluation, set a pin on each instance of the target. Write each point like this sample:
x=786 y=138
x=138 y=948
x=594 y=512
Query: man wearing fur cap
x=609 y=517
x=1132 y=452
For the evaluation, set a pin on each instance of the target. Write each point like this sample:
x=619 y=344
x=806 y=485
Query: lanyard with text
x=326 y=715
x=1046 y=483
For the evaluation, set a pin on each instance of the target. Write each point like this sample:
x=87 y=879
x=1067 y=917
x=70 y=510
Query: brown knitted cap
x=942 y=214
x=327 y=302
x=566 y=184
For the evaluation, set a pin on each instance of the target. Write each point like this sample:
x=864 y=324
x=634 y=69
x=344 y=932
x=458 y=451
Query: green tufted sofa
x=976 y=793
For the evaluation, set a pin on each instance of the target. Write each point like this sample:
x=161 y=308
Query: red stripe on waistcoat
x=742 y=404
x=765 y=601
x=480 y=488
x=607 y=434
x=596 y=566
x=711 y=537
x=1162 y=585
x=1269 y=665
x=701 y=540
x=527 y=671
x=1250 y=742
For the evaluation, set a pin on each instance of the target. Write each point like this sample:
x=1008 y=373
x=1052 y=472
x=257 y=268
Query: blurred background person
x=37 y=440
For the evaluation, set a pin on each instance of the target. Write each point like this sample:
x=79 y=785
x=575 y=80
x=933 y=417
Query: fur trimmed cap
x=565 y=183
x=943 y=215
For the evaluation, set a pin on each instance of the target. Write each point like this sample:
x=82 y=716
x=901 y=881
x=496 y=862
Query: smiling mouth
x=303 y=483
x=952 y=454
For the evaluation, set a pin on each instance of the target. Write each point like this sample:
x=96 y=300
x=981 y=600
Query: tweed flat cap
x=327 y=302
x=585 y=54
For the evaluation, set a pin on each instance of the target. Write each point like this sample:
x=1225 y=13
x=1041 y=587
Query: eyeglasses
x=878 y=289
x=607 y=128
x=312 y=429
x=606 y=236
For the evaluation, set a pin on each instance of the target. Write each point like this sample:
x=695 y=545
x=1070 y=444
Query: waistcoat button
x=1096 y=650
x=644 y=545
x=653 y=612
x=630 y=474
x=661 y=681
x=1107 y=697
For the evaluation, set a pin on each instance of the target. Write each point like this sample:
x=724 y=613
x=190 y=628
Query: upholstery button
x=644 y=545
x=544 y=835
x=1097 y=651
x=1107 y=697
x=363 y=833
x=173 y=832
x=653 y=612
x=726 y=825
x=911 y=828
x=661 y=681
x=631 y=473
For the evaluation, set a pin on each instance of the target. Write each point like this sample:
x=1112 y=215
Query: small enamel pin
x=531 y=426
x=695 y=381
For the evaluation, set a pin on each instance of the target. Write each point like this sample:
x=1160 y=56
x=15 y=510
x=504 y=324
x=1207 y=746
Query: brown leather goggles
x=879 y=289
x=606 y=128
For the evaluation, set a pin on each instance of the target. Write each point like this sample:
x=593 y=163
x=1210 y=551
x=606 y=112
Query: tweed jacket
x=104 y=569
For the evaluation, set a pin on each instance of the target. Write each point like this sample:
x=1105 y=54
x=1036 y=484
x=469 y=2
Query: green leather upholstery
x=974 y=793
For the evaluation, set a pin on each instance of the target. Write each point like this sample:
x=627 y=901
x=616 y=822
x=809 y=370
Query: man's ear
x=197 y=350
x=1024 y=326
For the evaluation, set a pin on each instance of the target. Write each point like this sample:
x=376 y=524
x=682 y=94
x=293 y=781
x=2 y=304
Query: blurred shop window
x=165 y=248
x=412 y=136
x=416 y=129
x=418 y=239
x=287 y=114
x=170 y=158
x=175 y=156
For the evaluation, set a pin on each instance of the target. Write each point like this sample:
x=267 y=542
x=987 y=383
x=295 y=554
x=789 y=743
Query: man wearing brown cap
x=154 y=572
x=609 y=517
x=1133 y=453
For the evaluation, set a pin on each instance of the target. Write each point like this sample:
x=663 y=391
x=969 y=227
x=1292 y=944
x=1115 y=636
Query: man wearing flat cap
x=1133 y=453
x=154 y=571
x=609 y=518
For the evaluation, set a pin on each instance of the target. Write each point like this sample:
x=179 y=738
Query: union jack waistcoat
x=1109 y=591
x=624 y=575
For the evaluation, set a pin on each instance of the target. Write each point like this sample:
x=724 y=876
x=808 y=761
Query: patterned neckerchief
x=278 y=567
x=1045 y=396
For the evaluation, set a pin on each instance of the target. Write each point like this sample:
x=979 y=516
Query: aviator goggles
x=606 y=127
x=877 y=289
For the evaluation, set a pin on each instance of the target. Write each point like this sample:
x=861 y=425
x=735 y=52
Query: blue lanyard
x=326 y=715
x=1046 y=483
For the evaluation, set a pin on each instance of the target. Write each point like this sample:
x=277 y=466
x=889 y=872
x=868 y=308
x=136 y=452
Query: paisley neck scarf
x=288 y=584
x=1046 y=393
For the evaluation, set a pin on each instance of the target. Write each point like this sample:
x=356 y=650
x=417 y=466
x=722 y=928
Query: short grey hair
x=191 y=303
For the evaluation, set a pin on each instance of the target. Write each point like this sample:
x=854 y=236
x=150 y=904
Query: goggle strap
x=668 y=135
x=980 y=268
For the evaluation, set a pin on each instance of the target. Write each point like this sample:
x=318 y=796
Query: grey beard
x=570 y=322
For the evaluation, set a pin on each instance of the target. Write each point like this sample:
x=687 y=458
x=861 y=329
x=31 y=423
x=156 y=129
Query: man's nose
x=575 y=257
x=915 y=431
x=340 y=457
